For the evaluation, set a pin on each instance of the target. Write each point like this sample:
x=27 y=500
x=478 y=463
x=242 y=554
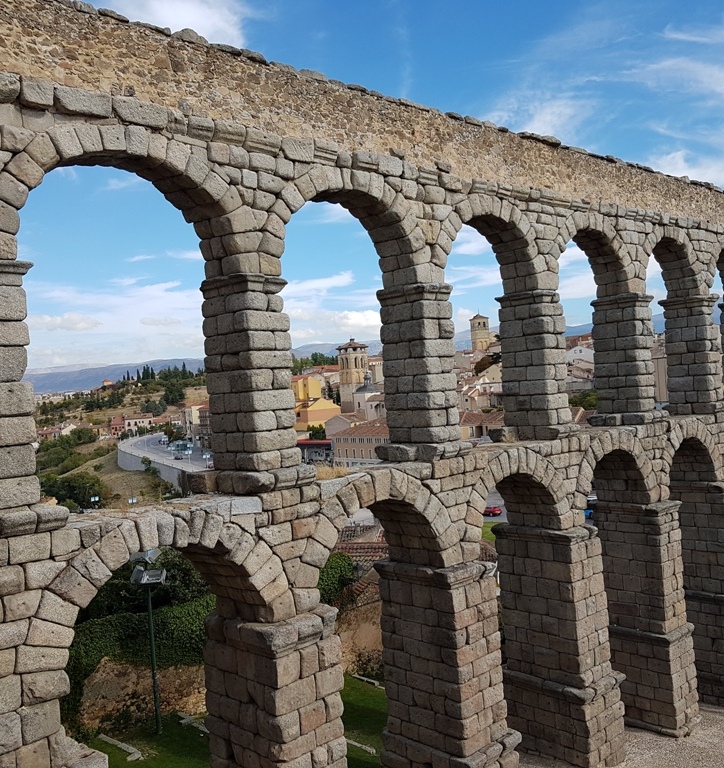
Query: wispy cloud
x=682 y=73
x=127 y=181
x=142 y=257
x=220 y=21
x=159 y=321
x=70 y=321
x=704 y=35
x=464 y=278
x=190 y=255
x=317 y=287
x=124 y=282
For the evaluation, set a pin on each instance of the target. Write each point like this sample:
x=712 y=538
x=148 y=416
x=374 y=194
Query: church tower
x=480 y=335
x=352 y=359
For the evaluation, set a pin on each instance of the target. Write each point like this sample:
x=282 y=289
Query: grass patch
x=365 y=715
x=178 y=746
x=488 y=534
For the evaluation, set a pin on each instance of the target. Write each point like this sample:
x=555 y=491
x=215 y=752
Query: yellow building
x=480 y=335
x=306 y=388
x=312 y=413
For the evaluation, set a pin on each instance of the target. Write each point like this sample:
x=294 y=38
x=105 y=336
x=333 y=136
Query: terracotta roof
x=374 y=428
x=472 y=419
x=352 y=344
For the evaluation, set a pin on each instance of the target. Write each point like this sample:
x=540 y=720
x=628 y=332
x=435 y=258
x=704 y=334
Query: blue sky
x=117 y=269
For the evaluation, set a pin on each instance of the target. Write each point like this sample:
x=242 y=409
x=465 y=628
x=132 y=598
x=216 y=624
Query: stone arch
x=544 y=560
x=693 y=474
x=613 y=268
x=527 y=469
x=642 y=571
x=632 y=457
x=240 y=568
x=682 y=272
x=62 y=570
x=695 y=438
x=622 y=329
x=511 y=236
x=385 y=213
x=693 y=387
x=418 y=528
x=531 y=317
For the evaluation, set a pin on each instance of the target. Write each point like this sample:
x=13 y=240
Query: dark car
x=493 y=511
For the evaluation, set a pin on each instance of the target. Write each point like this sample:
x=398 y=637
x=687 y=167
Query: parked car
x=493 y=511
x=590 y=505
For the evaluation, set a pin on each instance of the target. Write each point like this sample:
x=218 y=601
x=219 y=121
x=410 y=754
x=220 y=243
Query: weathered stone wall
x=48 y=39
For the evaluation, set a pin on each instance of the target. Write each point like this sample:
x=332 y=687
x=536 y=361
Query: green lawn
x=488 y=534
x=365 y=715
x=178 y=746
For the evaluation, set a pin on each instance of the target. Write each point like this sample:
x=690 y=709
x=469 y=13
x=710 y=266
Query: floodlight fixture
x=148 y=556
x=148 y=577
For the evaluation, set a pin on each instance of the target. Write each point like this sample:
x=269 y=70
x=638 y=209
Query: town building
x=353 y=360
x=355 y=446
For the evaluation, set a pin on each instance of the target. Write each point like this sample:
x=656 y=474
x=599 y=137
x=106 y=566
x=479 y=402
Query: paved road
x=150 y=445
x=496 y=500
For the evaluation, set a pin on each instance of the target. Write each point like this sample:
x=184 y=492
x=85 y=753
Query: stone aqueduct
x=624 y=620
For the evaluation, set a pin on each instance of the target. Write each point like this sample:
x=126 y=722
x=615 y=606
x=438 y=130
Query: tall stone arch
x=693 y=468
x=691 y=333
x=643 y=573
x=622 y=329
x=545 y=558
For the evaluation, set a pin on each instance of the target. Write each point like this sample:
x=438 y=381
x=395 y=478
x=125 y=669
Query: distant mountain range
x=74 y=378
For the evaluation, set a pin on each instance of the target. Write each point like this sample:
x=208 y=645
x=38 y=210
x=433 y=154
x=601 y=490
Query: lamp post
x=144 y=576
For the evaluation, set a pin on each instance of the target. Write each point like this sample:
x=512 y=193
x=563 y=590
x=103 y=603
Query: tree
x=316 y=432
x=486 y=362
x=586 y=400
x=173 y=393
x=77 y=488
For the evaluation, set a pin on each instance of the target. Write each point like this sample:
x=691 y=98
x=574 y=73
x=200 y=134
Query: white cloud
x=190 y=255
x=682 y=162
x=124 y=282
x=127 y=181
x=220 y=21
x=464 y=278
x=331 y=213
x=159 y=321
x=682 y=74
x=70 y=321
x=545 y=114
x=572 y=255
x=142 y=257
x=470 y=242
x=579 y=286
x=316 y=287
x=704 y=35
x=67 y=172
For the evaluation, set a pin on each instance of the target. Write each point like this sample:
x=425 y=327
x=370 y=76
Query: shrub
x=335 y=576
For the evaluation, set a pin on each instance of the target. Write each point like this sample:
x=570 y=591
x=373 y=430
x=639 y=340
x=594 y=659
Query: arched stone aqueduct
x=621 y=620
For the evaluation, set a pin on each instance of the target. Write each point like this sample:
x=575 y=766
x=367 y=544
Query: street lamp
x=143 y=576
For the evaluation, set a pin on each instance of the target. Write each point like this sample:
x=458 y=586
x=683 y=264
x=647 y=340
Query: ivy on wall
x=123 y=637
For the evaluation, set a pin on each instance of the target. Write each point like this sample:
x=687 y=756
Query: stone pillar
x=624 y=371
x=562 y=694
x=420 y=388
x=651 y=639
x=18 y=485
x=693 y=355
x=532 y=328
x=248 y=367
x=701 y=517
x=443 y=674
x=273 y=692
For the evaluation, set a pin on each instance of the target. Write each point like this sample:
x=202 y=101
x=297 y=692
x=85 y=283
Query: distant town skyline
x=117 y=269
